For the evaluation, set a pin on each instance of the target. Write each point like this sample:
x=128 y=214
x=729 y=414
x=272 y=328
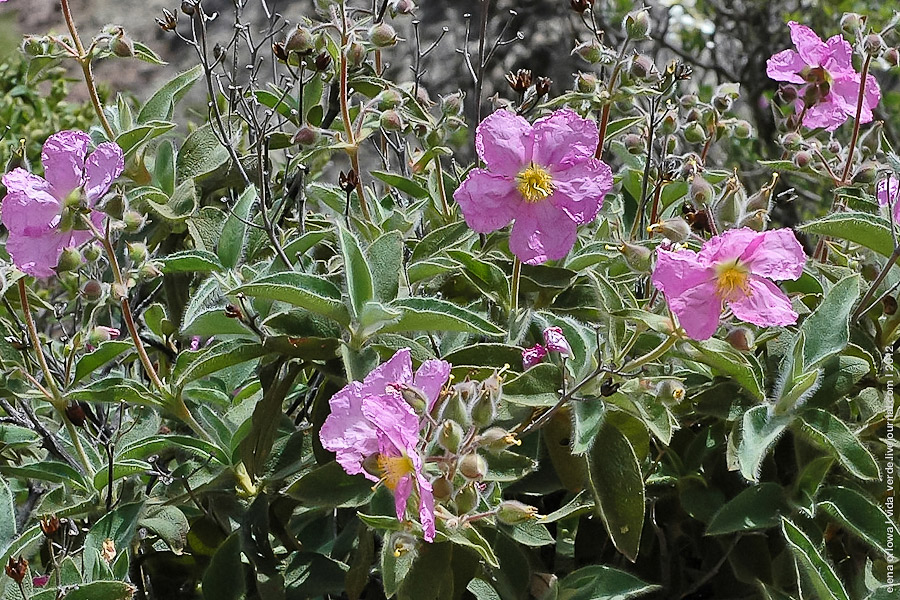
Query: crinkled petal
x=829 y=114
x=426 y=507
x=727 y=246
x=564 y=137
x=581 y=188
x=840 y=55
x=63 y=157
x=30 y=213
x=887 y=192
x=20 y=180
x=36 y=255
x=775 y=254
x=488 y=201
x=347 y=432
x=102 y=168
x=430 y=378
x=785 y=66
x=698 y=310
x=845 y=93
x=766 y=305
x=401 y=495
x=504 y=141
x=542 y=232
x=395 y=420
x=396 y=370
x=810 y=46
x=678 y=271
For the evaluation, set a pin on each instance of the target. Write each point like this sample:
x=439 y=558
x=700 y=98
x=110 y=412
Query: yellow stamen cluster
x=732 y=280
x=535 y=184
x=394 y=468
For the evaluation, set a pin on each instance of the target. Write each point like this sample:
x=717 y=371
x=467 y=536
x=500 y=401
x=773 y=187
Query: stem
x=863 y=306
x=441 y=190
x=84 y=59
x=652 y=355
x=353 y=150
x=604 y=116
x=859 y=104
x=514 y=288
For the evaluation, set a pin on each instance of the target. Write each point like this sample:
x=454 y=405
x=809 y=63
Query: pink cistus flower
x=735 y=268
x=40 y=212
x=556 y=341
x=532 y=356
x=825 y=69
x=374 y=432
x=543 y=176
x=888 y=193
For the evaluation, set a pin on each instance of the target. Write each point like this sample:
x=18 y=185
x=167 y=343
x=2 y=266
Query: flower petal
x=698 y=310
x=679 y=271
x=30 y=213
x=542 y=232
x=36 y=255
x=488 y=201
x=430 y=378
x=63 y=158
x=397 y=369
x=503 y=141
x=581 y=188
x=765 y=305
x=829 y=113
x=347 y=432
x=840 y=55
x=727 y=246
x=564 y=137
x=426 y=507
x=785 y=66
x=101 y=169
x=810 y=46
x=395 y=421
x=401 y=495
x=775 y=254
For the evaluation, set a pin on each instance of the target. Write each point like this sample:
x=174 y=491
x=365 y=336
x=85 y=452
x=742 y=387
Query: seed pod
x=497 y=439
x=694 y=133
x=634 y=143
x=802 y=159
x=702 y=192
x=590 y=51
x=675 y=229
x=306 y=136
x=442 y=488
x=466 y=499
x=69 y=260
x=637 y=257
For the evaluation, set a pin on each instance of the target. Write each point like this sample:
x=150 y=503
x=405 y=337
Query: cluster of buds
x=554 y=341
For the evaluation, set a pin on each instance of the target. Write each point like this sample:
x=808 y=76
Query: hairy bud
x=382 y=35
x=512 y=512
x=637 y=24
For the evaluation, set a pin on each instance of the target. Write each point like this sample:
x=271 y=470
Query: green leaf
x=51 y=471
x=867 y=230
x=719 y=355
x=757 y=507
x=821 y=574
x=440 y=239
x=599 y=582
x=356 y=269
x=177 y=208
x=403 y=184
x=759 y=431
x=589 y=416
x=169 y=523
x=121 y=469
x=195 y=365
x=202 y=152
x=385 y=257
x=7 y=517
x=834 y=436
x=311 y=292
x=860 y=515
x=118 y=526
x=224 y=577
x=329 y=486
x=102 y=590
x=105 y=352
x=234 y=232
x=131 y=141
x=191 y=261
x=530 y=533
x=429 y=576
x=482 y=590
x=432 y=314
x=618 y=487
x=827 y=329
x=487 y=276
x=161 y=105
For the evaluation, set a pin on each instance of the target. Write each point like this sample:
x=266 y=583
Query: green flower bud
x=512 y=512
x=92 y=252
x=473 y=466
x=637 y=257
x=442 y=488
x=637 y=24
x=114 y=206
x=591 y=51
x=149 y=271
x=586 y=83
x=634 y=143
x=134 y=221
x=390 y=121
x=356 y=55
x=695 y=133
x=670 y=391
x=742 y=129
x=851 y=23
x=866 y=173
x=92 y=290
x=669 y=124
x=69 y=260
x=301 y=41
x=138 y=252
x=121 y=45
x=466 y=499
x=452 y=105
x=450 y=435
x=675 y=229
x=382 y=35
x=702 y=192
x=741 y=339
x=389 y=99
x=642 y=67
x=497 y=439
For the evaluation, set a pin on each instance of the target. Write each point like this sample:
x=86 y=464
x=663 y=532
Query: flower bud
x=134 y=221
x=590 y=51
x=413 y=396
x=402 y=7
x=188 y=7
x=637 y=257
x=586 y=83
x=634 y=143
x=873 y=44
x=555 y=341
x=390 y=121
x=389 y=99
x=497 y=439
x=675 y=229
x=851 y=23
x=450 y=436
x=870 y=142
x=69 y=260
x=702 y=192
x=741 y=339
x=149 y=271
x=442 y=488
x=306 y=136
x=722 y=103
x=300 y=40
x=382 y=35
x=137 y=252
x=452 y=104
x=670 y=391
x=866 y=173
x=642 y=66
x=694 y=133
x=512 y=512
x=802 y=159
x=742 y=129
x=322 y=61
x=456 y=408
x=689 y=100
x=492 y=387
x=466 y=499
x=532 y=356
x=473 y=466
x=121 y=45
x=402 y=543
x=669 y=123
x=891 y=56
x=791 y=140
x=92 y=290
x=356 y=55
x=637 y=24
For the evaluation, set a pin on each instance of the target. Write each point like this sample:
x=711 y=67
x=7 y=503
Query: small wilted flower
x=75 y=414
x=519 y=81
x=322 y=61
x=670 y=391
x=279 y=51
x=542 y=86
x=40 y=581
x=348 y=181
x=555 y=341
x=108 y=552
x=169 y=20
x=50 y=525
x=532 y=356
x=17 y=569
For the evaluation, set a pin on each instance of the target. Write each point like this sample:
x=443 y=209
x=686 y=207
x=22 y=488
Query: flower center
x=732 y=280
x=394 y=468
x=535 y=183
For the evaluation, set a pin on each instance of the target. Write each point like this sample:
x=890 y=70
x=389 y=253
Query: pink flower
x=544 y=177
x=887 y=192
x=371 y=424
x=827 y=69
x=40 y=212
x=532 y=356
x=556 y=341
x=41 y=580
x=734 y=268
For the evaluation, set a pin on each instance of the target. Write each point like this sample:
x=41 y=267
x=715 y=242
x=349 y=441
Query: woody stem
x=859 y=104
